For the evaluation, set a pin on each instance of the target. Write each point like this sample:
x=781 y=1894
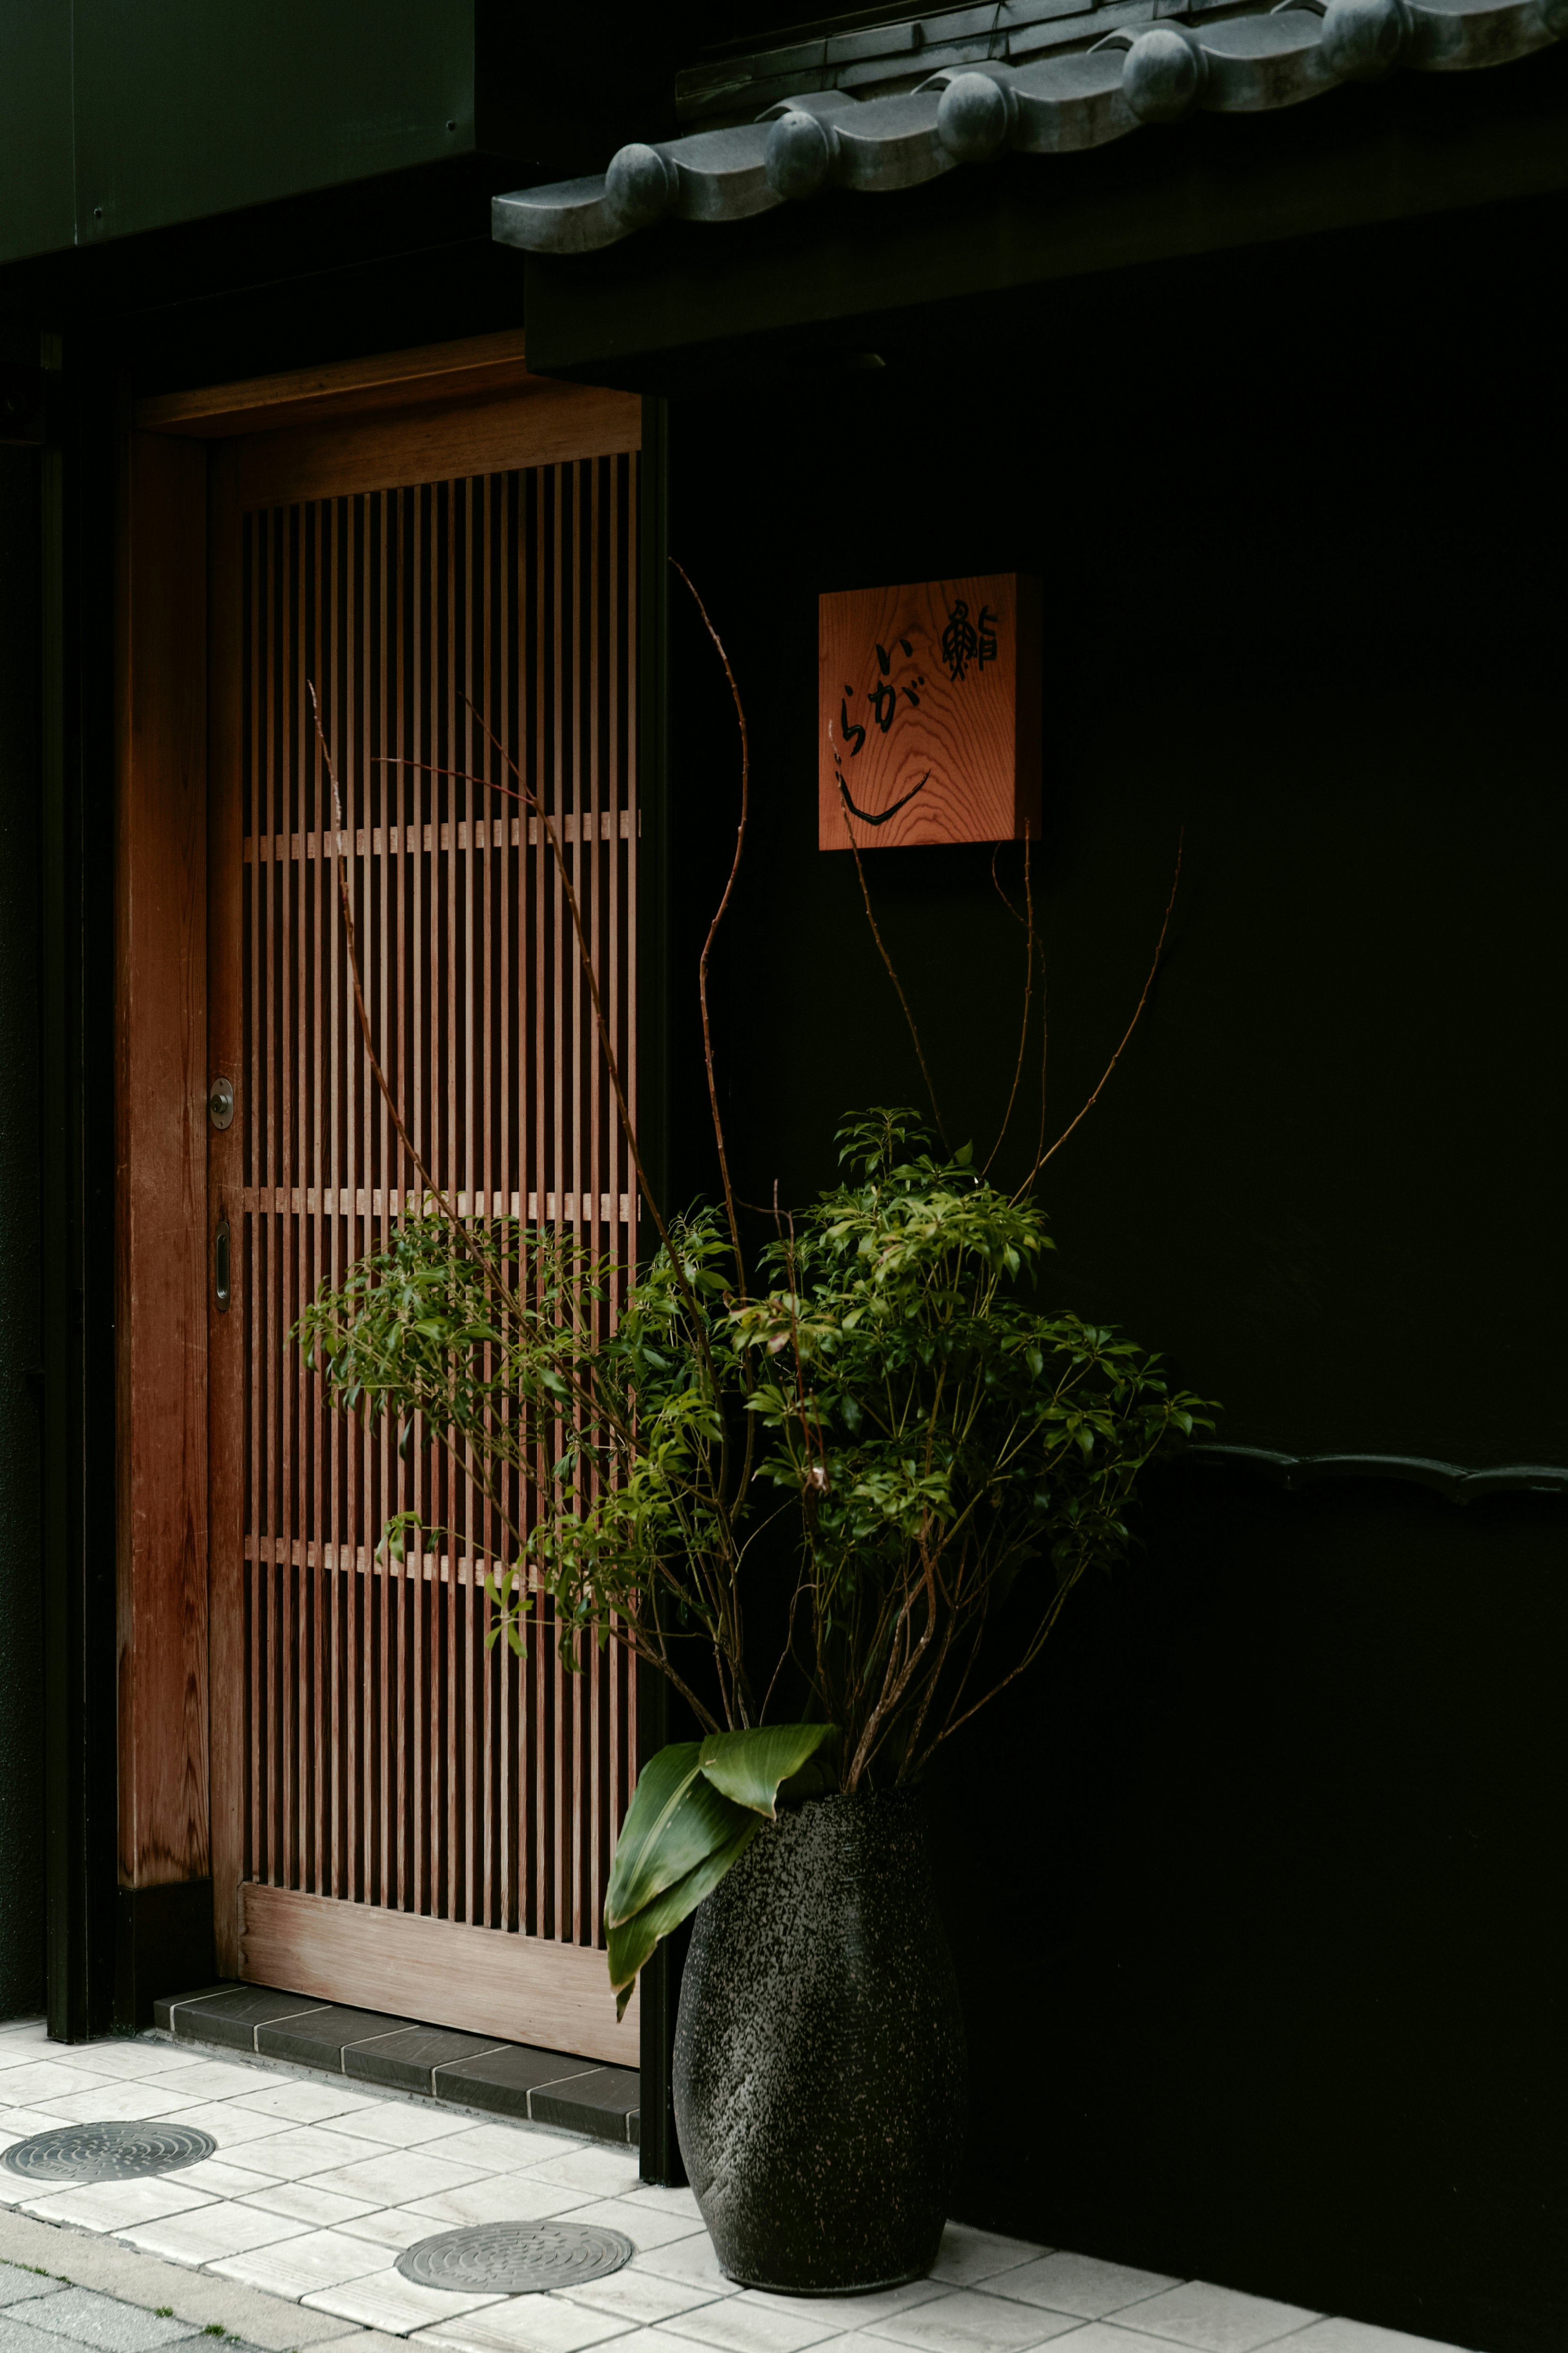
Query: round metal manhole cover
x=107 y=2152
x=515 y=2258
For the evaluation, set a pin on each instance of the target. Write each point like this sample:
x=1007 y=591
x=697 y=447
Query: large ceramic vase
x=820 y=2077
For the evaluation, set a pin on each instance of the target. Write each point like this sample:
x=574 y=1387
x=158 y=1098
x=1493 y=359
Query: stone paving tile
x=230 y=2122
x=302 y=2149
x=202 y=2236
x=510 y=2148
x=116 y=2205
x=129 y=2055
x=1108 y=2336
x=648 y=2340
x=33 y=2086
x=498 y=2198
x=296 y=2267
x=967 y=2256
x=323 y=2210
x=392 y=2226
x=21 y=2123
x=295 y=2103
x=670 y=2201
x=219 y=2177
x=103 y=2320
x=212 y=2079
x=386 y=2300
x=852 y=2312
x=637 y=2296
x=1214 y=2319
x=606 y=2172
x=17 y=2283
x=118 y=2101
x=645 y=2226
x=1356 y=2337
x=528 y=2324
x=735 y=2326
x=966 y=2322
x=359 y=2340
x=1078 y=2283
x=397 y=2175
x=17 y=2336
x=690 y=2259
x=404 y=2124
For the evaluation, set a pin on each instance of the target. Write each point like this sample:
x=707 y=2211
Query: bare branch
x=1029 y=987
x=426 y=1180
x=1148 y=985
x=882 y=951
x=719 y=914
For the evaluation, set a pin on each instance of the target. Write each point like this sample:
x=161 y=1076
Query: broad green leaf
x=631 y=1942
x=749 y=1765
x=676 y=1819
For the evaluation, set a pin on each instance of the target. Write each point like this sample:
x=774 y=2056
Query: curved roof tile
x=975 y=108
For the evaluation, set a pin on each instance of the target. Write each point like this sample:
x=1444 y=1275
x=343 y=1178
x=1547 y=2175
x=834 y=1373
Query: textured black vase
x=820 y=2078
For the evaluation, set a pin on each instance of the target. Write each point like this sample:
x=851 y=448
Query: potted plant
x=937 y=1460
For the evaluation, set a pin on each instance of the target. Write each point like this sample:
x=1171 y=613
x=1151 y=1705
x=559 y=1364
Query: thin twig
x=887 y=959
x=531 y=800
x=719 y=914
x=1148 y=985
x=426 y=1180
x=1029 y=987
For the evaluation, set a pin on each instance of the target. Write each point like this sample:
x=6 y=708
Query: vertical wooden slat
x=416 y=1732
x=271 y=1029
x=486 y=1539
x=226 y=1405
x=468 y=1520
x=392 y=1760
x=260 y=1256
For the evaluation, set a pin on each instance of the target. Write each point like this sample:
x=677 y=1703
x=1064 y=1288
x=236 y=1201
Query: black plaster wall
x=21 y=1618
x=1256 y=1884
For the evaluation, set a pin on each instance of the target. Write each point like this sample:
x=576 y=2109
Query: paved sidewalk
x=41 y=2314
x=288 y=2237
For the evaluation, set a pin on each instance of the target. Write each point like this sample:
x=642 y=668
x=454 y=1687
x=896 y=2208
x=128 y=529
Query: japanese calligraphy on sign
x=928 y=705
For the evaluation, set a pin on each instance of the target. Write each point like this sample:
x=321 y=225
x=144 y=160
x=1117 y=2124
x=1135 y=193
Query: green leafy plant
x=939 y=1459
x=954 y=1447
x=696 y=1808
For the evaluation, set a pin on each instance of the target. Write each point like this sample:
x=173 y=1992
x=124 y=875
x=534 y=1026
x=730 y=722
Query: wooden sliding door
x=404 y=1818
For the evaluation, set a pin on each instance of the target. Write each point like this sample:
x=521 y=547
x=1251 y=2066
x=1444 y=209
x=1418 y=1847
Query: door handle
x=221 y=1266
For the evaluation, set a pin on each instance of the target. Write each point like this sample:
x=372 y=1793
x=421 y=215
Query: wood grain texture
x=477 y=364
x=389 y=1759
x=160 y=1260
x=442 y=1972
x=545 y=424
x=929 y=714
x=227 y=882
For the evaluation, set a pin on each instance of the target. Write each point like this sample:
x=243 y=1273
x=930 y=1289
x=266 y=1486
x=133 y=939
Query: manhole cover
x=515 y=2258
x=107 y=2152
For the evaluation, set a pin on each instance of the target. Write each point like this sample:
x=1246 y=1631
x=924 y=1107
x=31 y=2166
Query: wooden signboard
x=929 y=713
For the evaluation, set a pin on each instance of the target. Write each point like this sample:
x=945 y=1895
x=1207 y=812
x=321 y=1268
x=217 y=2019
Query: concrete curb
x=89 y=2260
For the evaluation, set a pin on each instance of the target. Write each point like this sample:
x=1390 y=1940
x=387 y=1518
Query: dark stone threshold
x=509 y=2079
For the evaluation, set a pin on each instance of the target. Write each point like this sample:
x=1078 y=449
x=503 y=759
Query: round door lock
x=220 y=1103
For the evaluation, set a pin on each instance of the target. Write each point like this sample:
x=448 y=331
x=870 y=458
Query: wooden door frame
x=189 y=463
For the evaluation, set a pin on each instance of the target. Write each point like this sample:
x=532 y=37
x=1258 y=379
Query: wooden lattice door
x=413 y=1820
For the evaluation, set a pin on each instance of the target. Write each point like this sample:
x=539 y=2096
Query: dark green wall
x=21 y=1342
x=1256 y=1883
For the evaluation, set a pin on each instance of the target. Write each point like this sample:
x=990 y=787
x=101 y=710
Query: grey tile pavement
x=286 y=2239
x=88 y=2319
